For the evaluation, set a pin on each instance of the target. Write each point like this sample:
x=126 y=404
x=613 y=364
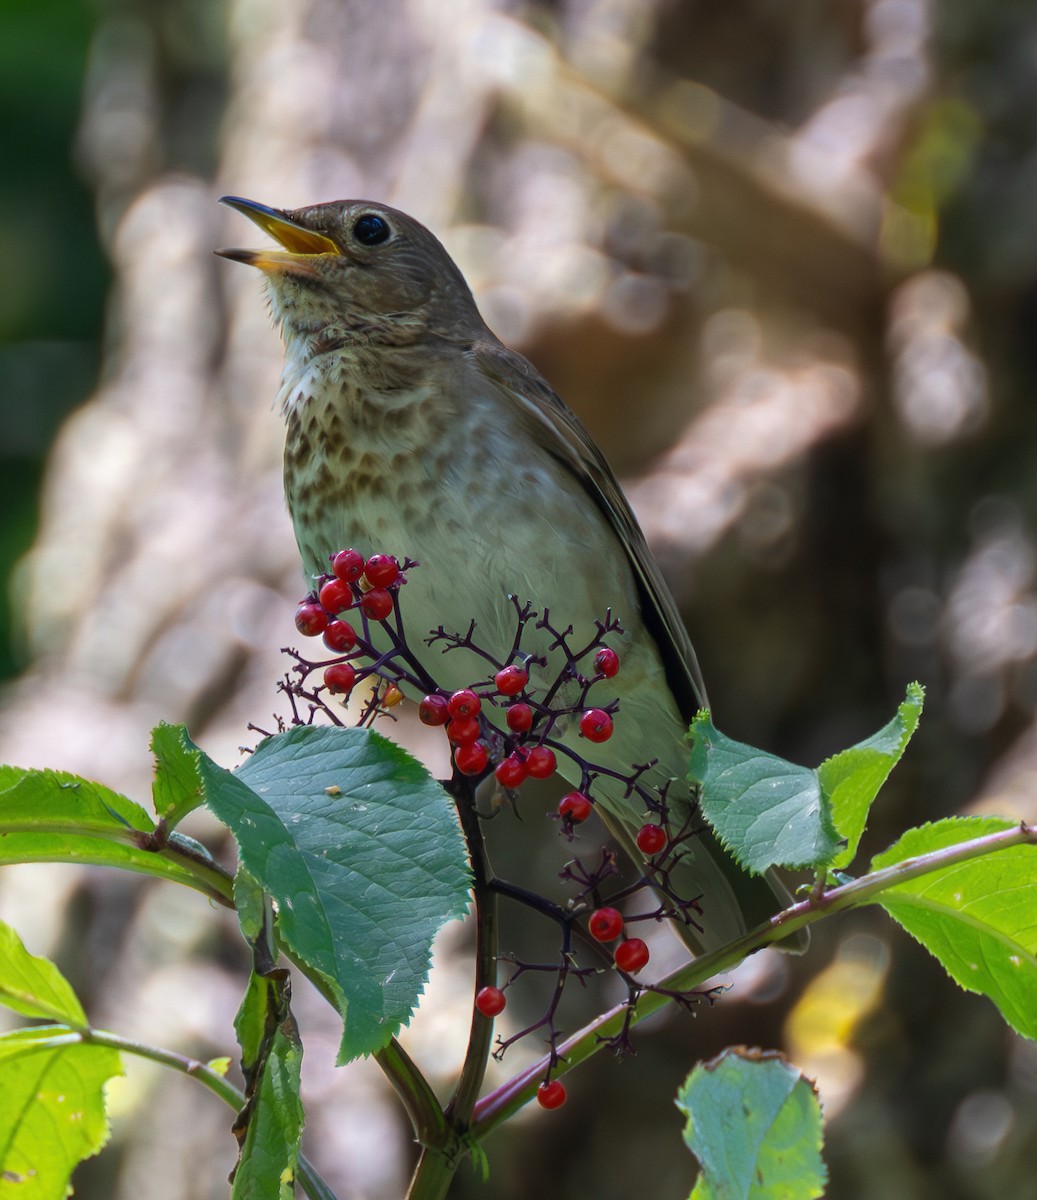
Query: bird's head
x=354 y=270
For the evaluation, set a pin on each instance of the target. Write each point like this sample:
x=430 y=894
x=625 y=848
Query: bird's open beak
x=300 y=244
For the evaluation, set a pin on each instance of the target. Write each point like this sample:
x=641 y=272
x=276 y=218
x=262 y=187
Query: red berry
x=512 y=771
x=606 y=661
x=433 y=710
x=462 y=730
x=336 y=596
x=490 y=1001
x=471 y=758
x=519 y=717
x=605 y=924
x=381 y=570
x=596 y=725
x=377 y=603
x=651 y=839
x=348 y=565
x=551 y=1094
x=575 y=807
x=339 y=677
x=340 y=636
x=541 y=762
x=631 y=955
x=464 y=703
x=511 y=680
x=310 y=619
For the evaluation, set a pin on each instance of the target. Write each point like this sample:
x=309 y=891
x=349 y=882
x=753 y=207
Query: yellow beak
x=300 y=244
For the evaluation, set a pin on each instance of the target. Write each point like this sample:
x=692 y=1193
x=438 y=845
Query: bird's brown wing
x=558 y=430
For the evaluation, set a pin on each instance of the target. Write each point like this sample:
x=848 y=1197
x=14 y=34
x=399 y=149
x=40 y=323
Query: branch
x=438 y=1161
x=518 y=1091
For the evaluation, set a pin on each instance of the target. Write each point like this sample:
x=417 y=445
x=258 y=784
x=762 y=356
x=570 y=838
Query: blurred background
x=781 y=258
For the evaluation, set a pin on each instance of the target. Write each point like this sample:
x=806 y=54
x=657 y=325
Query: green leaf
x=272 y=1061
x=251 y=904
x=250 y=1023
x=177 y=786
x=768 y=812
x=53 y=800
x=52 y=1112
x=270 y=1152
x=361 y=851
x=34 y=986
x=765 y=811
x=978 y=917
x=850 y=780
x=754 y=1124
x=51 y=816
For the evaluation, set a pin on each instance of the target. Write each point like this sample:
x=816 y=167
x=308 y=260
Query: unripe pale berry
x=511 y=680
x=377 y=603
x=490 y=1001
x=339 y=677
x=596 y=725
x=605 y=924
x=575 y=807
x=631 y=955
x=471 y=758
x=381 y=570
x=310 y=619
x=551 y=1094
x=340 y=636
x=651 y=839
x=348 y=565
x=336 y=595
x=432 y=710
x=391 y=695
x=541 y=762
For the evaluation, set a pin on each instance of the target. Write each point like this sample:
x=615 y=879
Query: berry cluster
x=511 y=725
x=524 y=749
x=369 y=587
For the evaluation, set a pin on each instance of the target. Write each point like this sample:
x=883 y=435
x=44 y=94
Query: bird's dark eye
x=370 y=229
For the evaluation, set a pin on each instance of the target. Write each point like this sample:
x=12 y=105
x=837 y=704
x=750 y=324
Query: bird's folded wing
x=557 y=429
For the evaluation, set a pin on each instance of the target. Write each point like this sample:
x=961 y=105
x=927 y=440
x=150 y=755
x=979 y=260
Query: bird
x=412 y=429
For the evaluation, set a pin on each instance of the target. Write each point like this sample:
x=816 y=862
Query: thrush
x=411 y=429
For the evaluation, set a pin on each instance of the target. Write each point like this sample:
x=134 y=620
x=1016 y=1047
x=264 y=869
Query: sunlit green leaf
x=52 y=1113
x=34 y=986
x=177 y=786
x=851 y=779
x=51 y=816
x=978 y=917
x=754 y=1124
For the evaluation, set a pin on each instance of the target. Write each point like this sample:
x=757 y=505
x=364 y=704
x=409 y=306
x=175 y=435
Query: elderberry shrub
x=509 y=726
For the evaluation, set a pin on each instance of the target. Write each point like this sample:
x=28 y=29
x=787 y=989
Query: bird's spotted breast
x=357 y=458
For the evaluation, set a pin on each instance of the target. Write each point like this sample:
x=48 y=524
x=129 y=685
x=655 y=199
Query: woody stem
x=439 y=1161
